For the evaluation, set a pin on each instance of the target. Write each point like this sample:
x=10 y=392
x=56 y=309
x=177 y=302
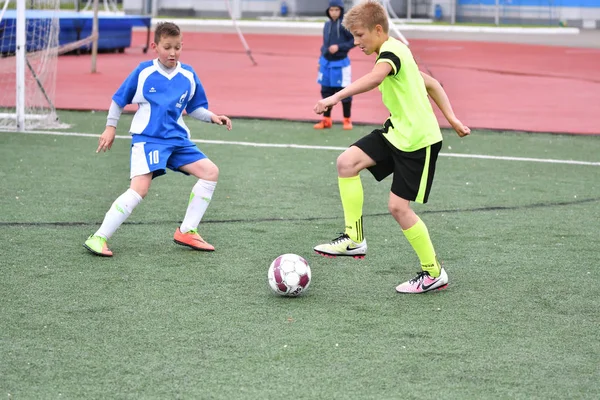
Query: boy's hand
x=221 y=120
x=107 y=138
x=461 y=129
x=323 y=104
x=334 y=48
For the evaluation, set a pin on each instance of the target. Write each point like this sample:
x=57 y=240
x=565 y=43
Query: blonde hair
x=367 y=14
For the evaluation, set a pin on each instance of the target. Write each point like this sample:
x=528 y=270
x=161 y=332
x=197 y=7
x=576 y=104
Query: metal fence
x=502 y=12
x=499 y=12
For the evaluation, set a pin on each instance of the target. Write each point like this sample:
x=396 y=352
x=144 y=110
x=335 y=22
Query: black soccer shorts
x=413 y=171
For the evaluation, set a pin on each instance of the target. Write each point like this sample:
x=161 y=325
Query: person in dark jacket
x=334 y=64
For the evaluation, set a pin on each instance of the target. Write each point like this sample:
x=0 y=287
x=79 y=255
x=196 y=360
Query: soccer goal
x=28 y=59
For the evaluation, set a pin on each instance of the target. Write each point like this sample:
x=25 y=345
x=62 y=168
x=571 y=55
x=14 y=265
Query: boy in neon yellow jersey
x=407 y=145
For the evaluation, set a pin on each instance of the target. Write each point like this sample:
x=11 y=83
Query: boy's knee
x=141 y=184
x=215 y=173
x=211 y=173
x=352 y=161
x=399 y=208
x=346 y=165
x=203 y=169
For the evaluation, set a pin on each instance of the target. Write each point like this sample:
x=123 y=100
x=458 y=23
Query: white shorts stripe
x=139 y=163
x=346 y=76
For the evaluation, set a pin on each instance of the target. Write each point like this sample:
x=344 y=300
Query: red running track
x=491 y=85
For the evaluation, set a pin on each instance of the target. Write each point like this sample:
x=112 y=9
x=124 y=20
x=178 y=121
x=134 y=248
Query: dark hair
x=167 y=29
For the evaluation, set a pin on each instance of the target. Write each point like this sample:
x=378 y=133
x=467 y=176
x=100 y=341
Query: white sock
x=199 y=200
x=118 y=213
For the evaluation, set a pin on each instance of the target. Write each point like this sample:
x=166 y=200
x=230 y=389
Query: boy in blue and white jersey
x=162 y=88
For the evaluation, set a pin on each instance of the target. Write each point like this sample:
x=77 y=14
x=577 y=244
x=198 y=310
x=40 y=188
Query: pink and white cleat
x=424 y=283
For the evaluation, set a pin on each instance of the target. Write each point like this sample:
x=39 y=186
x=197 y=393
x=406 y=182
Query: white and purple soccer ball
x=289 y=275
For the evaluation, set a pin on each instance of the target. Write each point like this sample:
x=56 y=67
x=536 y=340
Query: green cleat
x=97 y=245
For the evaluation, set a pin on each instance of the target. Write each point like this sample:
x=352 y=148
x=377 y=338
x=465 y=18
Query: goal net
x=28 y=62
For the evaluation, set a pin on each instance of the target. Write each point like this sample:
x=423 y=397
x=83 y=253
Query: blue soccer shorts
x=156 y=158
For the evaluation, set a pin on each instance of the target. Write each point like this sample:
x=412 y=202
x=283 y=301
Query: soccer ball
x=289 y=275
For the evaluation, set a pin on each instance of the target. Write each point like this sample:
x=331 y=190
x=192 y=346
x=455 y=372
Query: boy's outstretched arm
x=107 y=138
x=438 y=94
x=361 y=85
x=202 y=114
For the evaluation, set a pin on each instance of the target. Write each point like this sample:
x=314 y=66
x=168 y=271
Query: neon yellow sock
x=418 y=237
x=351 y=193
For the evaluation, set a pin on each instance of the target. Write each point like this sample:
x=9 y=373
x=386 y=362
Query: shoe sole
x=426 y=291
x=94 y=252
x=327 y=255
x=190 y=246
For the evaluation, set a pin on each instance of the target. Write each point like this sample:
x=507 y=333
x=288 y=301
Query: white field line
x=309 y=147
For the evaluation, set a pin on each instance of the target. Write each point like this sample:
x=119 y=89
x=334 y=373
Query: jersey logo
x=152 y=90
x=182 y=99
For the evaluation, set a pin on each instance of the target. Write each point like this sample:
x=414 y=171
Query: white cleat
x=343 y=246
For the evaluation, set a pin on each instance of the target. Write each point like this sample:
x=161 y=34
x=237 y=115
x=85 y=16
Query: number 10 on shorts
x=153 y=157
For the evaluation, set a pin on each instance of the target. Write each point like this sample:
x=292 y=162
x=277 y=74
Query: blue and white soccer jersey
x=160 y=138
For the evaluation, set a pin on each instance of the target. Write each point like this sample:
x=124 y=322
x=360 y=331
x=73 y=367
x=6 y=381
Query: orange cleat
x=325 y=123
x=347 y=124
x=193 y=240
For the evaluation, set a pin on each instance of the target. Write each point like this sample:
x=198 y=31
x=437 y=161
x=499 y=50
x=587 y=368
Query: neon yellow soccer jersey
x=403 y=92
